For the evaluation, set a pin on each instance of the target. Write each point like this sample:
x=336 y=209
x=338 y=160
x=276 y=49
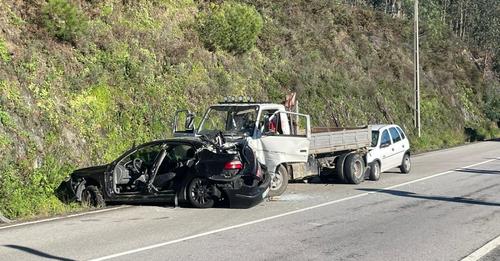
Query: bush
x=4 y=52
x=63 y=19
x=230 y=26
x=492 y=103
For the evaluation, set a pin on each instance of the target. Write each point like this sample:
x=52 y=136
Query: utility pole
x=416 y=62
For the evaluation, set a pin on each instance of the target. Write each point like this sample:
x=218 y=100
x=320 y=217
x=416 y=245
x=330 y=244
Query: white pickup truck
x=285 y=142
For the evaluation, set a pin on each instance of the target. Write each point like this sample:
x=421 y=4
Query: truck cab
x=278 y=137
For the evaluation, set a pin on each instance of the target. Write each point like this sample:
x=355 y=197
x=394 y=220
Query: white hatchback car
x=390 y=148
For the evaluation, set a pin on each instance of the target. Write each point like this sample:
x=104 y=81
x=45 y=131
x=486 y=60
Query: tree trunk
x=461 y=20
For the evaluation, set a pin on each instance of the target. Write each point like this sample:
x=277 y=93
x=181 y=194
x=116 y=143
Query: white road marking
x=278 y=216
x=63 y=217
x=484 y=250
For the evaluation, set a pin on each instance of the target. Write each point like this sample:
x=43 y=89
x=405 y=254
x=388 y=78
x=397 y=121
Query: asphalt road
x=448 y=207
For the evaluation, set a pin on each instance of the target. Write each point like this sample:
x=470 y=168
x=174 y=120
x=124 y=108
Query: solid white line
x=63 y=217
x=484 y=250
x=276 y=216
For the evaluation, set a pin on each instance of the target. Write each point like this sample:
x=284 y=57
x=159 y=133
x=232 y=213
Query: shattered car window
x=235 y=120
x=146 y=154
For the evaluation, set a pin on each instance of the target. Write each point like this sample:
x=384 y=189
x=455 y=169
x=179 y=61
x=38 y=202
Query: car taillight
x=259 y=172
x=235 y=164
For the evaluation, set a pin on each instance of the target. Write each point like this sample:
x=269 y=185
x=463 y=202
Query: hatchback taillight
x=235 y=164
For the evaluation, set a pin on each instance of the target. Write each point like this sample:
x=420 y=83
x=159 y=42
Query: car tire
x=199 y=193
x=375 y=171
x=354 y=169
x=279 y=181
x=92 y=197
x=339 y=166
x=405 y=167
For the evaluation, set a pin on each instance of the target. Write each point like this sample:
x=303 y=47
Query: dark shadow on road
x=439 y=198
x=38 y=253
x=480 y=171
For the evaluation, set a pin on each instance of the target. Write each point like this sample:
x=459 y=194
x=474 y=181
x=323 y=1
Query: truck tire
x=92 y=197
x=375 y=171
x=279 y=181
x=354 y=169
x=339 y=166
x=405 y=164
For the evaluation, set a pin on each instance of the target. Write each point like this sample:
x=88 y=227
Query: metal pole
x=417 y=71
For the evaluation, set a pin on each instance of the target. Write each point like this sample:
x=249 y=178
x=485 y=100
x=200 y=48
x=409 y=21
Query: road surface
x=445 y=209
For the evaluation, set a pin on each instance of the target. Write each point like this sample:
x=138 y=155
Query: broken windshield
x=230 y=120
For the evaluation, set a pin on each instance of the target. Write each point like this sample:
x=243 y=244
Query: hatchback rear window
x=395 y=135
x=402 y=133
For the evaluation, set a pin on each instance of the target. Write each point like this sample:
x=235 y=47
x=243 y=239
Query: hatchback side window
x=402 y=133
x=395 y=135
x=386 y=139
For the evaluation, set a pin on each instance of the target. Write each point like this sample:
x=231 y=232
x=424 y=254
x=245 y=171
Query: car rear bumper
x=246 y=197
x=65 y=192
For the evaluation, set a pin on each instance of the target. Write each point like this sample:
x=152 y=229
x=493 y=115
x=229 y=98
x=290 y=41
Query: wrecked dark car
x=193 y=171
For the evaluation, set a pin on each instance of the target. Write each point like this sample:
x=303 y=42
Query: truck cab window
x=374 y=138
x=268 y=124
x=230 y=120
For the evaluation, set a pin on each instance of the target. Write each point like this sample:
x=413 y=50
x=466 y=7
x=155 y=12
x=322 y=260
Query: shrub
x=63 y=19
x=4 y=52
x=492 y=103
x=233 y=27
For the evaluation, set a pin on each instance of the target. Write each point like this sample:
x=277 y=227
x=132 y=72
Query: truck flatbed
x=329 y=140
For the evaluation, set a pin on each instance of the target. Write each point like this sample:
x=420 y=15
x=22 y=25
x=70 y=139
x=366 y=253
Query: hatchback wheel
x=406 y=164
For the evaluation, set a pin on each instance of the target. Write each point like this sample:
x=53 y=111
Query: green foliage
x=492 y=103
x=63 y=19
x=4 y=52
x=33 y=195
x=231 y=26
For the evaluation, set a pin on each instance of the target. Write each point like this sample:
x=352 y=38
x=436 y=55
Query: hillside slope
x=71 y=100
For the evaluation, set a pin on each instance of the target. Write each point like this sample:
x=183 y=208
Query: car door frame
x=385 y=153
x=274 y=150
x=398 y=146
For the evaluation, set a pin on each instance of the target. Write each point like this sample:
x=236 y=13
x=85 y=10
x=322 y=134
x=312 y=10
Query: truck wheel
x=92 y=197
x=406 y=164
x=199 y=193
x=339 y=166
x=375 y=171
x=279 y=181
x=354 y=169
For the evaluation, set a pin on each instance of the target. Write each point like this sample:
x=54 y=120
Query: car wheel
x=406 y=164
x=92 y=197
x=200 y=193
x=375 y=171
x=279 y=181
x=354 y=169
